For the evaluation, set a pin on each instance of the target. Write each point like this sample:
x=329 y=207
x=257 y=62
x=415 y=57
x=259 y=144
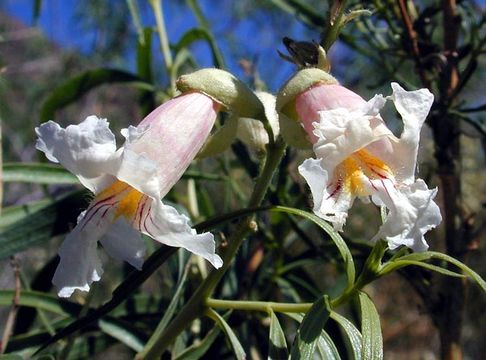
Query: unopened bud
x=224 y=88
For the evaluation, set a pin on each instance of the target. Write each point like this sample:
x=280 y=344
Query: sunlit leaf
x=326 y=348
x=370 y=329
x=352 y=336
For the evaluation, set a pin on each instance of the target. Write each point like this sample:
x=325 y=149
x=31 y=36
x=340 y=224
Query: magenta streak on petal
x=377 y=173
x=93 y=209
x=140 y=208
x=384 y=186
x=337 y=189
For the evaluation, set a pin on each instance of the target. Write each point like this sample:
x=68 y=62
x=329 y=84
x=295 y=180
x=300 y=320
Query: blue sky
x=250 y=38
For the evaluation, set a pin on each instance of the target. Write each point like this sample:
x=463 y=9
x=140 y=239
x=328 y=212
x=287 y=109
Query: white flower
x=358 y=156
x=128 y=184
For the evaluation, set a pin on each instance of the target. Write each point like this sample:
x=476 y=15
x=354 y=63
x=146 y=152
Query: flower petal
x=79 y=263
x=341 y=133
x=330 y=202
x=164 y=224
x=137 y=170
x=413 y=106
x=124 y=243
x=82 y=149
x=412 y=212
x=173 y=135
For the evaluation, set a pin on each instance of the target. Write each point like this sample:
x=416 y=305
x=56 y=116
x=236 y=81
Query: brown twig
x=7 y=332
x=412 y=36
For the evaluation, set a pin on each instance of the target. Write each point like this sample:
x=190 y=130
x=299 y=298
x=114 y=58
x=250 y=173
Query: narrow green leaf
x=144 y=69
x=123 y=332
x=352 y=336
x=37 y=11
x=77 y=86
x=37 y=173
x=171 y=308
x=412 y=259
x=40 y=300
x=230 y=335
x=402 y=263
x=370 y=329
x=197 y=34
x=197 y=351
x=277 y=345
x=326 y=348
x=42 y=225
x=11 y=357
x=335 y=237
x=12 y=214
x=310 y=330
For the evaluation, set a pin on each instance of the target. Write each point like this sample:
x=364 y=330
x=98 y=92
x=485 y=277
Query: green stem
x=334 y=26
x=164 y=40
x=196 y=305
x=263 y=306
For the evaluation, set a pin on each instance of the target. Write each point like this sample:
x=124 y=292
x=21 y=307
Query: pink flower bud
x=324 y=97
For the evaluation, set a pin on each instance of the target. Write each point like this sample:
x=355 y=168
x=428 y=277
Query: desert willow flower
x=128 y=184
x=357 y=156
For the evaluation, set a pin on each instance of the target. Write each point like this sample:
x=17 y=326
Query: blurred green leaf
x=197 y=350
x=230 y=335
x=310 y=330
x=197 y=34
x=37 y=173
x=353 y=338
x=120 y=294
x=11 y=357
x=37 y=10
x=12 y=214
x=144 y=69
x=43 y=224
x=370 y=329
x=74 y=88
x=123 y=332
x=42 y=301
x=335 y=237
x=277 y=345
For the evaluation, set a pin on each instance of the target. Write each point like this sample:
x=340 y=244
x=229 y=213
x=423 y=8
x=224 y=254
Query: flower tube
x=358 y=156
x=128 y=184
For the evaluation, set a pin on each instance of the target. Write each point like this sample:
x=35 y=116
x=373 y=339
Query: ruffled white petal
x=83 y=149
x=341 y=133
x=79 y=263
x=413 y=106
x=411 y=213
x=124 y=243
x=164 y=224
x=330 y=203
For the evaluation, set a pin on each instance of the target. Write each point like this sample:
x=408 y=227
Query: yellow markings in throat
x=354 y=170
x=127 y=199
